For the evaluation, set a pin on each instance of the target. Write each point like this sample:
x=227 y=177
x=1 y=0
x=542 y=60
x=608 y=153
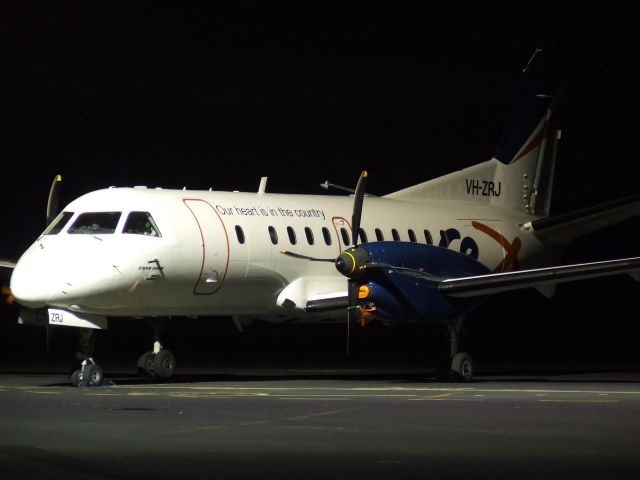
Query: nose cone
x=28 y=283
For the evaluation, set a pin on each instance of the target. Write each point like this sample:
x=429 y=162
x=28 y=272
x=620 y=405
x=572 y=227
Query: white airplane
x=429 y=253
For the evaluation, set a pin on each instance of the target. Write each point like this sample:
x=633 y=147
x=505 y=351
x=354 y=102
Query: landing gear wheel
x=75 y=377
x=93 y=375
x=164 y=364
x=146 y=364
x=462 y=367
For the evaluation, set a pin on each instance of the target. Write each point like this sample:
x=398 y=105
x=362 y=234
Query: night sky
x=173 y=97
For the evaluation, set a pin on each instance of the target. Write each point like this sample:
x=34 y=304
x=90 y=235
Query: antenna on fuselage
x=327 y=184
x=263 y=185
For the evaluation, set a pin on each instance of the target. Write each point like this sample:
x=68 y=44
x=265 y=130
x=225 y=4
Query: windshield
x=141 y=223
x=95 y=223
x=58 y=223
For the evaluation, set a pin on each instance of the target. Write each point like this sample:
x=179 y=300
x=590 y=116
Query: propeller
x=53 y=202
x=353 y=311
x=53 y=205
x=347 y=261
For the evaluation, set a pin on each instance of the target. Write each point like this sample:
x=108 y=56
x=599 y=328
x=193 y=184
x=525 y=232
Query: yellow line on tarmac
x=377 y=389
x=435 y=397
x=107 y=394
x=333 y=399
x=579 y=401
x=322 y=414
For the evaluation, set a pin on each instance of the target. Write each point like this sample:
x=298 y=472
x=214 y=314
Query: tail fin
x=520 y=176
x=529 y=140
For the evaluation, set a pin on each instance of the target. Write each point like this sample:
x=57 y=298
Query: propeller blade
x=306 y=257
x=6 y=291
x=353 y=311
x=358 y=197
x=54 y=199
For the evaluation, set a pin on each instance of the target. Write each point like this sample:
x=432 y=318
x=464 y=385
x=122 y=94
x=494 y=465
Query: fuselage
x=219 y=253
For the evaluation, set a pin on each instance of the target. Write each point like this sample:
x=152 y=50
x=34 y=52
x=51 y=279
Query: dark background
x=218 y=97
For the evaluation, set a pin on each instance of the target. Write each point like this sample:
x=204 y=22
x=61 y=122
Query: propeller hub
x=353 y=262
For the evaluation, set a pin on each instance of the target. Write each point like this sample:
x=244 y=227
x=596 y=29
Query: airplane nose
x=28 y=286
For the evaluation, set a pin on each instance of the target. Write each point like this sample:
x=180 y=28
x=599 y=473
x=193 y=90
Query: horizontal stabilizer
x=502 y=282
x=563 y=229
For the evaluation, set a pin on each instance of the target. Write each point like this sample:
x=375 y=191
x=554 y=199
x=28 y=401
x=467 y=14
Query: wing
x=478 y=285
x=397 y=295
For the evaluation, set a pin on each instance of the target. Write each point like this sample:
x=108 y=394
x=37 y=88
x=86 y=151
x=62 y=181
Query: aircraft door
x=215 y=247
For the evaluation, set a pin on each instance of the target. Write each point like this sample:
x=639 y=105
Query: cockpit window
x=141 y=223
x=95 y=223
x=58 y=223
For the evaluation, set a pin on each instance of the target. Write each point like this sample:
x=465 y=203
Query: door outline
x=203 y=278
x=336 y=221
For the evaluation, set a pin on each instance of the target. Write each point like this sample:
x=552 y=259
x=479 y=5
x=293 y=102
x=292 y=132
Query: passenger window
x=141 y=223
x=309 y=234
x=362 y=235
x=274 y=235
x=412 y=236
x=427 y=237
x=58 y=223
x=395 y=234
x=292 y=235
x=95 y=223
x=345 y=236
x=240 y=234
x=326 y=235
x=379 y=235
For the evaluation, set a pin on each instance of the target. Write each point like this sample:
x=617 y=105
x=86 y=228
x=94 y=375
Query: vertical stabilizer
x=520 y=175
x=529 y=145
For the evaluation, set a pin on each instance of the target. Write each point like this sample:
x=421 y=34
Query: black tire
x=146 y=364
x=462 y=367
x=164 y=364
x=75 y=377
x=93 y=375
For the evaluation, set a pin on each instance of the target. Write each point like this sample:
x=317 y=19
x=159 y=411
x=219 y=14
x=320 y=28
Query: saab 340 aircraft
x=429 y=253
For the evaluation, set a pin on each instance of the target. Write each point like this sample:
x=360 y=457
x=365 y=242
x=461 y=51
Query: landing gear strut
x=158 y=362
x=458 y=365
x=88 y=374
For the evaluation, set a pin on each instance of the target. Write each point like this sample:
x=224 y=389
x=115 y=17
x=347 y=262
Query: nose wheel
x=88 y=374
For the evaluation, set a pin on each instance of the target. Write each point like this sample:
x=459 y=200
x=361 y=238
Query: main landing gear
x=158 y=362
x=457 y=366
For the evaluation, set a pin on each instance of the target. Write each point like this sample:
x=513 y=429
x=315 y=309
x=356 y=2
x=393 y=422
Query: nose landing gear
x=88 y=374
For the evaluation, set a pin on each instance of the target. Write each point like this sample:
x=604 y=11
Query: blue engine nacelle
x=402 y=278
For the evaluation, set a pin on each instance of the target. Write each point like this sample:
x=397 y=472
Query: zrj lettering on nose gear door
x=215 y=247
